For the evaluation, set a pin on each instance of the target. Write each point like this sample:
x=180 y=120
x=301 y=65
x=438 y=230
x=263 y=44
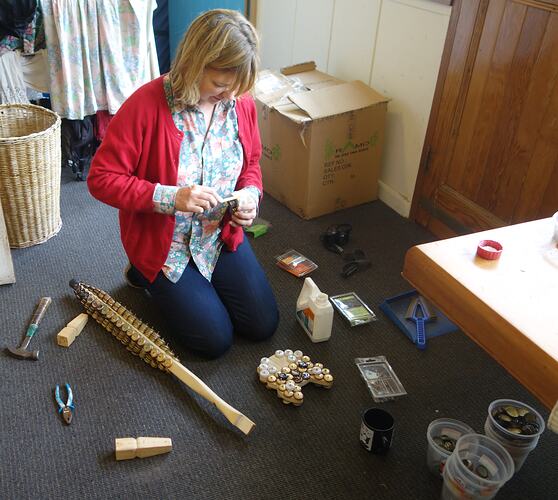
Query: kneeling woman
x=175 y=149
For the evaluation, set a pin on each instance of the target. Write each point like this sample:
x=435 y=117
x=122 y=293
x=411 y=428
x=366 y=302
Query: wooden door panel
x=490 y=156
x=542 y=177
x=470 y=214
x=493 y=103
x=548 y=205
x=454 y=60
x=529 y=149
x=550 y=5
x=500 y=186
x=463 y=174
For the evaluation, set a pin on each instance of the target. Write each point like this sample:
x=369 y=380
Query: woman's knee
x=216 y=347
x=209 y=342
x=263 y=327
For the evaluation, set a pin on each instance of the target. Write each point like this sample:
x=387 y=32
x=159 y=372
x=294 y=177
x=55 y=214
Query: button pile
x=445 y=442
x=516 y=419
x=288 y=371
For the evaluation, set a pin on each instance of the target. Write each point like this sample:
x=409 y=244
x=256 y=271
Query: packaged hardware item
x=355 y=311
x=380 y=378
x=295 y=263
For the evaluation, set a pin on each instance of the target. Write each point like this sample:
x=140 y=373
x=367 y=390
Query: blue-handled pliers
x=67 y=408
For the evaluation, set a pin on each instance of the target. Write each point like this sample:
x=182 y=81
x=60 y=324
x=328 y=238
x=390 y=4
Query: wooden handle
x=40 y=310
x=231 y=414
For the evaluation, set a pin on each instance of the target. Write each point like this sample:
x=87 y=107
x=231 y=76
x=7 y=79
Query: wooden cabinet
x=490 y=156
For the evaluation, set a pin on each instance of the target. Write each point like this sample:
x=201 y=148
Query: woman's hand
x=196 y=199
x=246 y=211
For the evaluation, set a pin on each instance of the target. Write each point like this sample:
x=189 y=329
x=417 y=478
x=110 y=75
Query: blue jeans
x=203 y=315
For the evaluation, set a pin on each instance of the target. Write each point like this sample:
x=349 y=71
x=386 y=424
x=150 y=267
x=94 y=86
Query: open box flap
x=336 y=99
x=271 y=87
x=299 y=68
x=274 y=88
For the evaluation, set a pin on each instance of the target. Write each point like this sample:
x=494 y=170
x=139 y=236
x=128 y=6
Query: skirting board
x=393 y=199
x=6 y=266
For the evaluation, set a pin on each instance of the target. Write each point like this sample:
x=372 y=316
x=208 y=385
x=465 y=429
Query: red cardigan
x=139 y=150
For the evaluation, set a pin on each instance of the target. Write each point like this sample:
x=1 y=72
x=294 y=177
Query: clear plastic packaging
x=353 y=309
x=381 y=380
x=295 y=263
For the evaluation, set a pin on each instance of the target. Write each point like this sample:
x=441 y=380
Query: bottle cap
x=321 y=299
x=489 y=249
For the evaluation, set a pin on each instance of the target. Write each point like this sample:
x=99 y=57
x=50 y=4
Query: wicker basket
x=30 y=169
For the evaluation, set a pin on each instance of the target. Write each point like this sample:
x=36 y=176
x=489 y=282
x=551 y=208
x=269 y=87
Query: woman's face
x=215 y=85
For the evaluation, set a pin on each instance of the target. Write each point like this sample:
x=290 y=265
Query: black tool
x=356 y=261
x=336 y=237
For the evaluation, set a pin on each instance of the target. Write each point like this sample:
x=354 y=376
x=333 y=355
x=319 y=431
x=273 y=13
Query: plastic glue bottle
x=314 y=312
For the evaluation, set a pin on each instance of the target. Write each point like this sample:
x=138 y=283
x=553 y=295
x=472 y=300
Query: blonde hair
x=221 y=39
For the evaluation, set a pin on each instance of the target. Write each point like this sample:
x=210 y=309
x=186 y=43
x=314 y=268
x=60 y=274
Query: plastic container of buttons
x=478 y=467
x=516 y=426
x=442 y=435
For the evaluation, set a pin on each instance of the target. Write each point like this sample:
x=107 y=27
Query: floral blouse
x=214 y=159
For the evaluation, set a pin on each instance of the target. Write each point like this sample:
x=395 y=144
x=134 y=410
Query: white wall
x=394 y=46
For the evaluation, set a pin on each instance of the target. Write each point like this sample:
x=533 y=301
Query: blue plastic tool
x=419 y=312
x=67 y=408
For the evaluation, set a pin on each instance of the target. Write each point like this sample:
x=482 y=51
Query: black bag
x=78 y=145
x=15 y=16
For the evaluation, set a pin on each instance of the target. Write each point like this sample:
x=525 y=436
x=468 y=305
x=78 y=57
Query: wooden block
x=6 y=266
x=149 y=446
x=69 y=333
x=142 y=447
x=125 y=448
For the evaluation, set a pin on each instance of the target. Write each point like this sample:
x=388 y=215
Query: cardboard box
x=322 y=139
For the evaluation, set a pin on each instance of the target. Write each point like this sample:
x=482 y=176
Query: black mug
x=376 y=430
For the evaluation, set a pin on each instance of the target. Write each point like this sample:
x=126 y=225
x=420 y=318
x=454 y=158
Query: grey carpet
x=310 y=451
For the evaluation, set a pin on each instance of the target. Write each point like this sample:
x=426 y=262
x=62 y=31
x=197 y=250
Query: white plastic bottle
x=314 y=312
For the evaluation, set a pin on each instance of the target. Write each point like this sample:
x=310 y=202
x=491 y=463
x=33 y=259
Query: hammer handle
x=38 y=315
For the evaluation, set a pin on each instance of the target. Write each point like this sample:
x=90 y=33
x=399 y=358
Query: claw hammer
x=21 y=351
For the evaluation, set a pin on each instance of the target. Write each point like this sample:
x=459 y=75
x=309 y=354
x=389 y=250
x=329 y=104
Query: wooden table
x=507 y=306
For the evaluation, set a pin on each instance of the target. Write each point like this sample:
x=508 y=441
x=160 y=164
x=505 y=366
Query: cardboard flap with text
x=337 y=99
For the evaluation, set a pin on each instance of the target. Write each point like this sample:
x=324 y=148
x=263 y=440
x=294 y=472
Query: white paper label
x=489 y=464
x=452 y=433
x=366 y=436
